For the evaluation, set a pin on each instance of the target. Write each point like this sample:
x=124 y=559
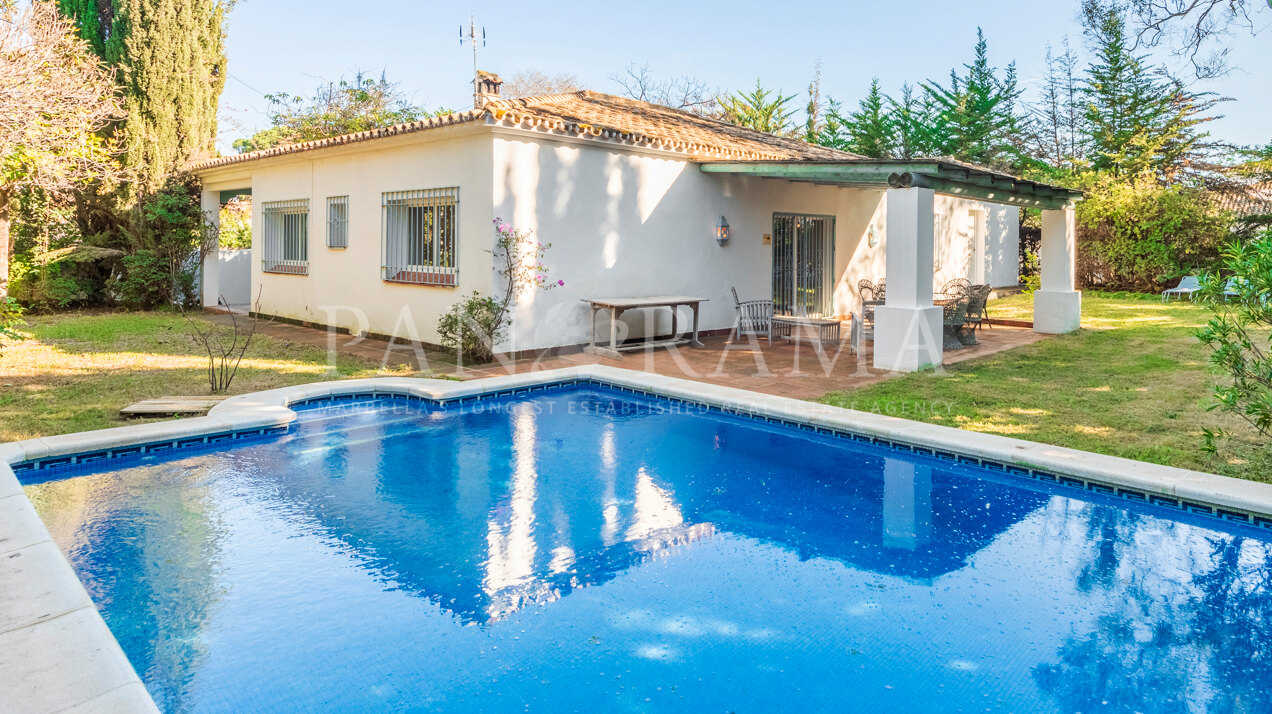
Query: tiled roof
x=1248 y=200
x=589 y=114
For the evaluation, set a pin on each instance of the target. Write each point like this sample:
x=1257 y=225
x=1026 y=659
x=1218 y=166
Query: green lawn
x=1133 y=382
x=76 y=371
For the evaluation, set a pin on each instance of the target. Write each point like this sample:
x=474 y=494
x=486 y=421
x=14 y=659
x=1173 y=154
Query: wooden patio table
x=617 y=306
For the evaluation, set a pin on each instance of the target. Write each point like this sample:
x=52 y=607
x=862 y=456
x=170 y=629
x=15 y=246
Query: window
x=337 y=221
x=285 y=245
x=419 y=236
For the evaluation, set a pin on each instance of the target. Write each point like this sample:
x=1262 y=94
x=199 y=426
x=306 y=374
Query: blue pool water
x=585 y=550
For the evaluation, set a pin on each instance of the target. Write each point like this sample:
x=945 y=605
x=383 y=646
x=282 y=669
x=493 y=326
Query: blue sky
x=276 y=46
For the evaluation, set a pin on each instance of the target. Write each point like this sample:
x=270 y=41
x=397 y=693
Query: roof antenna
x=473 y=38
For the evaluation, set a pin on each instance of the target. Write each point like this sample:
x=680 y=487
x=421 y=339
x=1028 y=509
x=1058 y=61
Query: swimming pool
x=582 y=548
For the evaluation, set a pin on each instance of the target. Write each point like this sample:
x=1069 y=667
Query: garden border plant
x=474 y=325
x=1240 y=333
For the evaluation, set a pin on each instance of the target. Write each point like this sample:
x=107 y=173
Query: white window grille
x=337 y=221
x=419 y=236
x=285 y=244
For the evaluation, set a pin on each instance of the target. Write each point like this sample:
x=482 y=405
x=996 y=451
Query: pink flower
x=560 y=282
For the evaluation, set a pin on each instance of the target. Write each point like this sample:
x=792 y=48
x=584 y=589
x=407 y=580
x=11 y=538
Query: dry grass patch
x=74 y=372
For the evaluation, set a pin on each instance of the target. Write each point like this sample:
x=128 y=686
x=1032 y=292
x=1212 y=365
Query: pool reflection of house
x=581 y=501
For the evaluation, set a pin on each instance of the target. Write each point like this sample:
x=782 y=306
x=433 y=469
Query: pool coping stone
x=57 y=654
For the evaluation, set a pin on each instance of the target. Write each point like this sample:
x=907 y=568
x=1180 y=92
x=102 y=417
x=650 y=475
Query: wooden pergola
x=908 y=326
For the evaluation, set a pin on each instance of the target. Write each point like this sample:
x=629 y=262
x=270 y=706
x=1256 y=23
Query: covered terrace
x=908 y=327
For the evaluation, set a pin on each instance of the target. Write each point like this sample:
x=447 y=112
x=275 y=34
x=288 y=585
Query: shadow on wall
x=635 y=225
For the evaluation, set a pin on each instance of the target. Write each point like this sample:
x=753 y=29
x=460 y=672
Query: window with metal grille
x=419 y=236
x=285 y=243
x=337 y=221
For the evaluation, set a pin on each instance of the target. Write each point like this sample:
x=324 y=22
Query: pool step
x=171 y=405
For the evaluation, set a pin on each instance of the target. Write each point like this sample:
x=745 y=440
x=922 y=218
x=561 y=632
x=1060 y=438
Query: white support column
x=908 y=325
x=210 y=279
x=1057 y=306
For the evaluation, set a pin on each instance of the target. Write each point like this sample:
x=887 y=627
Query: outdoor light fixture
x=722 y=231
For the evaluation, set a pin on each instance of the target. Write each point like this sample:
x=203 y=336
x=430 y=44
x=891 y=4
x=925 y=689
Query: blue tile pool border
x=87 y=668
x=70 y=464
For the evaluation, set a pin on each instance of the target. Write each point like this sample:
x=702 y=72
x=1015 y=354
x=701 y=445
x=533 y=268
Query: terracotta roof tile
x=589 y=114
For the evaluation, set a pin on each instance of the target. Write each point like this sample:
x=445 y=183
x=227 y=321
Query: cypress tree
x=1136 y=119
x=916 y=124
x=169 y=59
x=870 y=130
x=978 y=116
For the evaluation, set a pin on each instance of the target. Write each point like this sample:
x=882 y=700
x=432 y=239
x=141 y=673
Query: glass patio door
x=803 y=264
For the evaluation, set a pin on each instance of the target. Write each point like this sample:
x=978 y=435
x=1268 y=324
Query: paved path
x=784 y=369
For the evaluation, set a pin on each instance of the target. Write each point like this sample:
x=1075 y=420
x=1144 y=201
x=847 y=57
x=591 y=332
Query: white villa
x=382 y=231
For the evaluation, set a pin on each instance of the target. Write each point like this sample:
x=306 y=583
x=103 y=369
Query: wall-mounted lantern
x=722 y=231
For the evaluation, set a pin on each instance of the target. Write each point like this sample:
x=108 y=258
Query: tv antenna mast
x=473 y=39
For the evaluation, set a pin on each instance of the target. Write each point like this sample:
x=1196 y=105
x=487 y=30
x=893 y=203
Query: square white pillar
x=908 y=326
x=210 y=276
x=1057 y=305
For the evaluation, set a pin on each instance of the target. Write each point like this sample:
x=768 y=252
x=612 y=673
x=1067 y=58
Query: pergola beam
x=943 y=177
x=1023 y=196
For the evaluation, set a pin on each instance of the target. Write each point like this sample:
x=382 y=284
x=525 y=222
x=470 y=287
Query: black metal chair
x=957 y=286
x=978 y=296
x=955 y=316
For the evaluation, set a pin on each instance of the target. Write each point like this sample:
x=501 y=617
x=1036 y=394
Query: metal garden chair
x=755 y=317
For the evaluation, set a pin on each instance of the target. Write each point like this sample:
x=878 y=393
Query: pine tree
x=870 y=130
x=831 y=131
x=762 y=110
x=169 y=57
x=1138 y=119
x=979 y=119
x=916 y=124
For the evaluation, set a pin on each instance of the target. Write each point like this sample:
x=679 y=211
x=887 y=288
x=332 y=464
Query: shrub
x=1031 y=277
x=473 y=326
x=1240 y=332
x=10 y=317
x=62 y=279
x=166 y=232
x=1139 y=234
x=146 y=281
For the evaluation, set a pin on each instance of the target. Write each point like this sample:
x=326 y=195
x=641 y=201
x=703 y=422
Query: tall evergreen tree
x=1137 y=118
x=870 y=131
x=915 y=122
x=831 y=131
x=1058 y=114
x=169 y=57
x=978 y=115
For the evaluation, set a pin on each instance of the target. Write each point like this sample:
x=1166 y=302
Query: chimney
x=487 y=88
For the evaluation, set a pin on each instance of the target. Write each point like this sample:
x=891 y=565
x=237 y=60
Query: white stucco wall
x=957 y=232
x=235 y=277
x=343 y=286
x=621 y=223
